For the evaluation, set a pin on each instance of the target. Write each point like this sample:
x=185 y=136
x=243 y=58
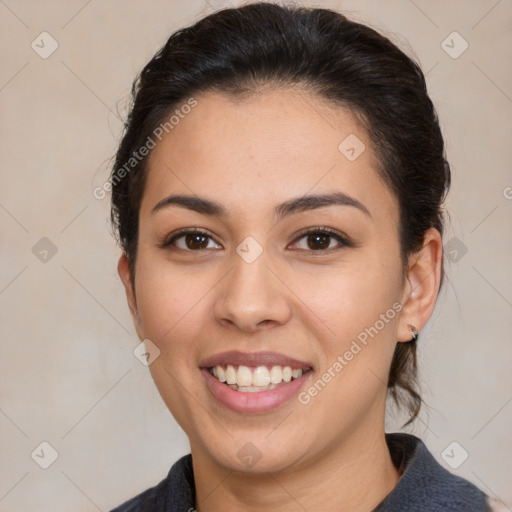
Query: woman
x=278 y=198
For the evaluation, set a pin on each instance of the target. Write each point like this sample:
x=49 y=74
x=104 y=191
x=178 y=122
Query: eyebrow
x=290 y=207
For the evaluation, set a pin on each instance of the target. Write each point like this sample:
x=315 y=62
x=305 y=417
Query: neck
x=354 y=475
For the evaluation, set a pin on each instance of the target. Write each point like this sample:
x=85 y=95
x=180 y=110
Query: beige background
x=68 y=373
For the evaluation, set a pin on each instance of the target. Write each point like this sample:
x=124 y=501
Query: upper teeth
x=260 y=376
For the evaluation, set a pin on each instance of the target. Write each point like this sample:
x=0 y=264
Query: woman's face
x=256 y=291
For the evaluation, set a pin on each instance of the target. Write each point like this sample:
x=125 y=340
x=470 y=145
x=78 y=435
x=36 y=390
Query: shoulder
x=175 y=492
x=424 y=484
x=150 y=500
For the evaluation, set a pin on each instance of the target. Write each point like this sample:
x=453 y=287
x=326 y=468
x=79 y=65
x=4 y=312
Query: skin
x=250 y=155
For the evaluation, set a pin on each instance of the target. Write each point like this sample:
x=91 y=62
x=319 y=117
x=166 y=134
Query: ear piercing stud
x=414 y=332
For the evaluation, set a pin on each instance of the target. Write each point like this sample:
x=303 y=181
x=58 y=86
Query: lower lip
x=259 y=401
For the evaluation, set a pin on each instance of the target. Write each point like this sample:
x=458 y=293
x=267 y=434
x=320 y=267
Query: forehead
x=258 y=150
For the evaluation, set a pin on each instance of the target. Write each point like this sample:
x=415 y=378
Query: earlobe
x=422 y=286
x=123 y=269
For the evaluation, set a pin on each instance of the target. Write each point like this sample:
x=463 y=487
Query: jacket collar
x=425 y=485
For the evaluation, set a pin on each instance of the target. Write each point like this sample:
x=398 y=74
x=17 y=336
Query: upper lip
x=235 y=357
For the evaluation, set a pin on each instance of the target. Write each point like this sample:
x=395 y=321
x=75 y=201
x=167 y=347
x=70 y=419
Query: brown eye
x=196 y=241
x=190 y=240
x=321 y=239
x=318 y=241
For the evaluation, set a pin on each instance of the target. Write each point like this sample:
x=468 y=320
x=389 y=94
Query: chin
x=257 y=455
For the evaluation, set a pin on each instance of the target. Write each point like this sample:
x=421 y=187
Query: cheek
x=360 y=305
x=171 y=302
x=172 y=308
x=349 y=299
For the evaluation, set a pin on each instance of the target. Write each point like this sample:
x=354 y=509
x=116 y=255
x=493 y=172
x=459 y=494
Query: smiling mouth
x=255 y=379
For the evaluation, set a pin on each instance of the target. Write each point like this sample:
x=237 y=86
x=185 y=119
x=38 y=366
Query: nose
x=252 y=297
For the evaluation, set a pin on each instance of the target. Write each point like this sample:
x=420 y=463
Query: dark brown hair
x=239 y=50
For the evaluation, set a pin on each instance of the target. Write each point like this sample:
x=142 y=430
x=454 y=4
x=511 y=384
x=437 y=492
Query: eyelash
x=343 y=240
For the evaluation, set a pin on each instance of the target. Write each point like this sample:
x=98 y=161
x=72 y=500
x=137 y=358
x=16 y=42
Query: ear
x=123 y=268
x=422 y=284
